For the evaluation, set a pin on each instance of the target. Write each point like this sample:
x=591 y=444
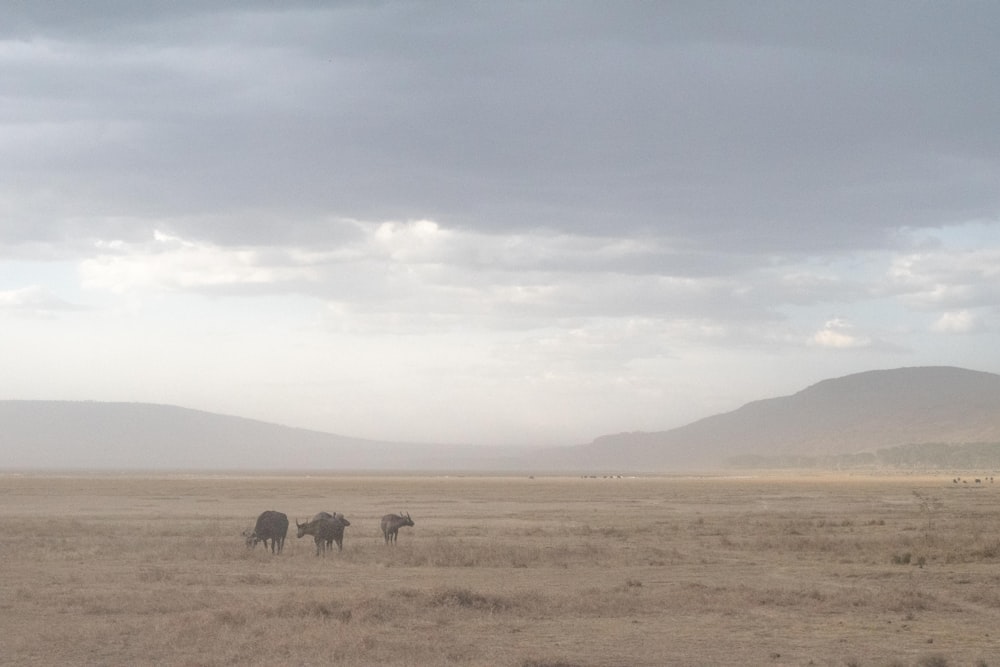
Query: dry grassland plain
x=783 y=569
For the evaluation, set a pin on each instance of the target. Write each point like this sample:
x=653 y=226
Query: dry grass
x=547 y=572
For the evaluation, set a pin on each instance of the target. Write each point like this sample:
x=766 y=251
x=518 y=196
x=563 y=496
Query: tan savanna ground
x=545 y=572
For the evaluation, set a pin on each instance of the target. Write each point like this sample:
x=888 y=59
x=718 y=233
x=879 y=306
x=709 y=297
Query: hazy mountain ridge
x=102 y=435
x=856 y=413
x=831 y=421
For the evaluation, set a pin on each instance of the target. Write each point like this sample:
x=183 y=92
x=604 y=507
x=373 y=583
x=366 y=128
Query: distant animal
x=391 y=523
x=271 y=526
x=326 y=529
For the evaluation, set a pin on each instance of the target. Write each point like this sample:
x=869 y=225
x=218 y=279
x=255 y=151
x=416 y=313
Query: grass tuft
x=467 y=599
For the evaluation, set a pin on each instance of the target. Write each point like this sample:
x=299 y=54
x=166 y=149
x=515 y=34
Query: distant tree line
x=970 y=455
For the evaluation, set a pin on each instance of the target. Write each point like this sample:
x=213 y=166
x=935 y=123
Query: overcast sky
x=497 y=222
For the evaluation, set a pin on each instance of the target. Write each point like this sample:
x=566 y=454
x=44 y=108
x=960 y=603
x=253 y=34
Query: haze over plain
x=500 y=224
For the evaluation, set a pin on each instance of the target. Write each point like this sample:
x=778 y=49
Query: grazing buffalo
x=272 y=526
x=391 y=523
x=326 y=529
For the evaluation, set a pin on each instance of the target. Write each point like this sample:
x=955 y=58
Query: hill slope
x=847 y=415
x=96 y=435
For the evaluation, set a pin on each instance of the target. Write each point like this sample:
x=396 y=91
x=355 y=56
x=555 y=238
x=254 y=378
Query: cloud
x=173 y=263
x=639 y=118
x=421 y=271
x=960 y=322
x=947 y=278
x=34 y=300
x=421 y=276
x=839 y=334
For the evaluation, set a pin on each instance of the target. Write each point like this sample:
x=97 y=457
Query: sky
x=503 y=223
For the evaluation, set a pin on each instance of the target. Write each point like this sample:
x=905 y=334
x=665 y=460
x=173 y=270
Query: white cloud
x=416 y=241
x=960 y=322
x=947 y=279
x=34 y=300
x=839 y=333
x=418 y=276
x=420 y=268
x=173 y=263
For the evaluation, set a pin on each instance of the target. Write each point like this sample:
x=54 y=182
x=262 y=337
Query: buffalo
x=272 y=526
x=391 y=523
x=326 y=529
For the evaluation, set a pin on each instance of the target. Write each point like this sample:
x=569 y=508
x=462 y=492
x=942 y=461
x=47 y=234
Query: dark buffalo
x=391 y=523
x=336 y=534
x=271 y=526
x=326 y=529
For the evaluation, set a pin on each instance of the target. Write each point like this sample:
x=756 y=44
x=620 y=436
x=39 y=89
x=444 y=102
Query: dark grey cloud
x=732 y=127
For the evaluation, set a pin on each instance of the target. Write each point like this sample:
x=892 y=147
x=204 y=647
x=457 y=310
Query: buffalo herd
x=325 y=528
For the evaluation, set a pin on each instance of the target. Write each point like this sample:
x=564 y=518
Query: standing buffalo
x=326 y=529
x=272 y=526
x=391 y=523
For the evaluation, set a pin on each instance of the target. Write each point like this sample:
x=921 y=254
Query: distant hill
x=858 y=413
x=908 y=416
x=133 y=436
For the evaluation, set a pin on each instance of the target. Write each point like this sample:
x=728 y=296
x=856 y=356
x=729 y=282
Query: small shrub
x=231 y=618
x=910 y=602
x=154 y=574
x=989 y=551
x=935 y=660
x=463 y=597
